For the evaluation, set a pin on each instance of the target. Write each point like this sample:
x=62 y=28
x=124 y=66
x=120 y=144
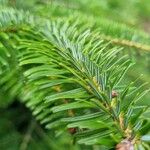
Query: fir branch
x=126 y=43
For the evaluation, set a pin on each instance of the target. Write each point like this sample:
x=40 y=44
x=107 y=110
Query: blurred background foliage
x=24 y=132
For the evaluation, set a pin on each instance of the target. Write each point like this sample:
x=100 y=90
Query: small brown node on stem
x=72 y=130
x=114 y=94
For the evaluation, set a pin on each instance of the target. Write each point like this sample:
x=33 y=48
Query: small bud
x=125 y=145
x=114 y=94
x=72 y=130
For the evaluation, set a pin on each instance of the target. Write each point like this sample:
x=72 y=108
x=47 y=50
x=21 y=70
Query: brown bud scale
x=72 y=130
x=114 y=94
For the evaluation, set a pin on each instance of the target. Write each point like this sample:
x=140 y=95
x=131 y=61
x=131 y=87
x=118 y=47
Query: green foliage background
x=122 y=23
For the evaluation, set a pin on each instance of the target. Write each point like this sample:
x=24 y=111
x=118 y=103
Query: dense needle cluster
x=71 y=74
